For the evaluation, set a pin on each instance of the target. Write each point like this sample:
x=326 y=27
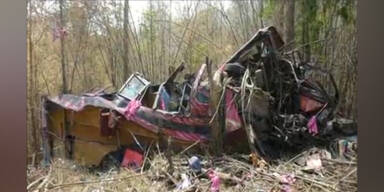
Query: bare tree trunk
x=261 y=13
x=62 y=49
x=169 y=36
x=305 y=32
x=279 y=16
x=192 y=19
x=63 y=73
x=254 y=15
x=218 y=123
x=152 y=43
x=289 y=24
x=31 y=86
x=136 y=42
x=126 y=41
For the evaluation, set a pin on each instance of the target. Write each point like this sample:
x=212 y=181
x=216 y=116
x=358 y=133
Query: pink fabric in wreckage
x=131 y=109
x=233 y=121
x=215 y=181
x=199 y=108
x=162 y=105
x=312 y=125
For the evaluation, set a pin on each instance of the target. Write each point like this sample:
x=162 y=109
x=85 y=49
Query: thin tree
x=289 y=24
x=62 y=48
x=31 y=83
x=63 y=73
x=126 y=42
x=218 y=121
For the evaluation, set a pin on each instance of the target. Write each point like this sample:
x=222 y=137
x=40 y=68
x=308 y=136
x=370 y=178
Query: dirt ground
x=313 y=170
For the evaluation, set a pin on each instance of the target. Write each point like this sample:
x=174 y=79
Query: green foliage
x=147 y=26
x=347 y=11
x=269 y=8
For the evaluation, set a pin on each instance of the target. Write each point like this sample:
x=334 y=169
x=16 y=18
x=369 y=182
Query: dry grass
x=64 y=175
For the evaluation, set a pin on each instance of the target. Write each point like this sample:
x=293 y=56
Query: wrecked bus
x=270 y=101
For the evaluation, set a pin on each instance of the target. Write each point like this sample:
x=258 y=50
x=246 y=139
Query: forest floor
x=311 y=170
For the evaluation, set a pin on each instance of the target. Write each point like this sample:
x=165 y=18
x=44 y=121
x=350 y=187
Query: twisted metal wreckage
x=270 y=99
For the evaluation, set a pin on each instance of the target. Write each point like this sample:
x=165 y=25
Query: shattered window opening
x=132 y=88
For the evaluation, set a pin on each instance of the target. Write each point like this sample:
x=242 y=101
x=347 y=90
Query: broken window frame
x=141 y=92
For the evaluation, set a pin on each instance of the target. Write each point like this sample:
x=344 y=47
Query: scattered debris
x=215 y=181
x=195 y=164
x=346 y=147
x=257 y=161
x=312 y=126
x=185 y=183
x=233 y=173
x=287 y=180
x=132 y=159
x=313 y=162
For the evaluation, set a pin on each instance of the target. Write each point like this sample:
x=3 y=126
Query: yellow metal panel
x=90 y=146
